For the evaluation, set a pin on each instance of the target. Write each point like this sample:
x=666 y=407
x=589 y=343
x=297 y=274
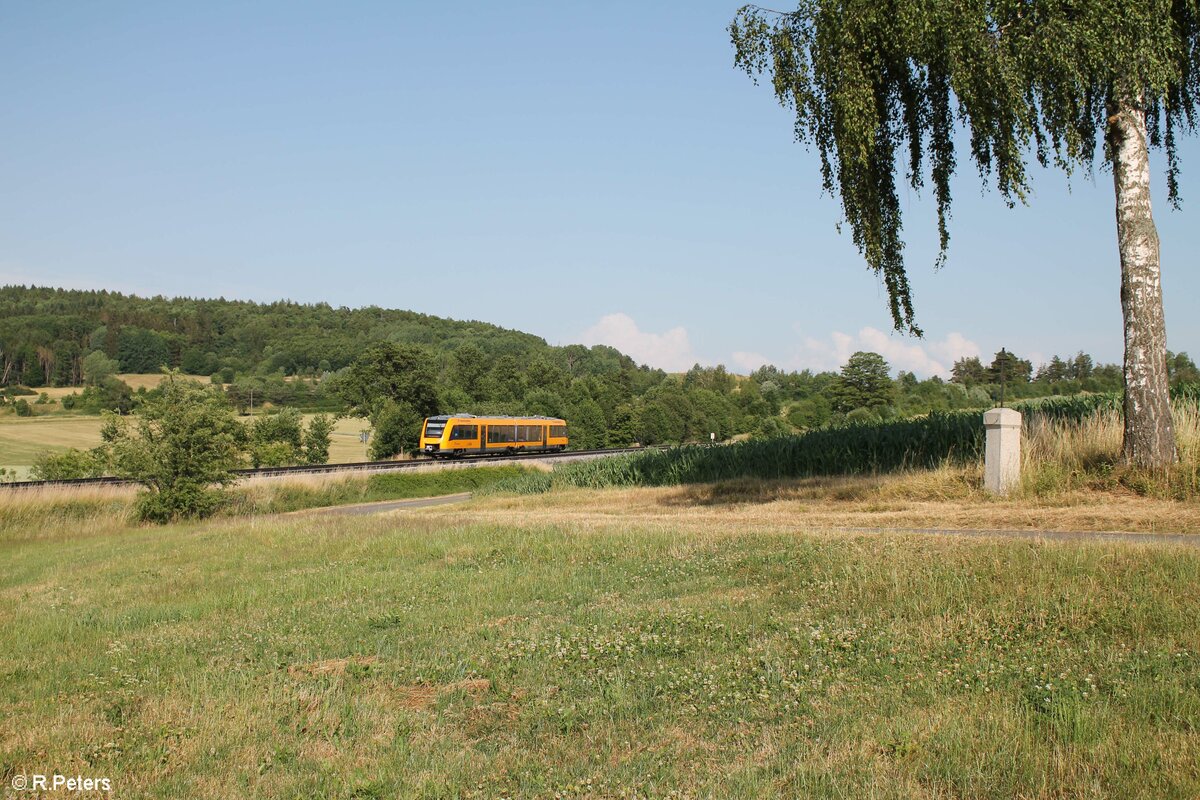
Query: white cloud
x=743 y=363
x=925 y=358
x=954 y=347
x=672 y=350
x=669 y=350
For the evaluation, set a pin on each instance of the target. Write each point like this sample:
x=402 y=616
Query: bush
x=23 y=408
x=183 y=447
x=317 y=439
x=70 y=465
x=276 y=439
x=183 y=500
x=395 y=428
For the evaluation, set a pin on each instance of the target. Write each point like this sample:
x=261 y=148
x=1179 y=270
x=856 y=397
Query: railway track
x=357 y=467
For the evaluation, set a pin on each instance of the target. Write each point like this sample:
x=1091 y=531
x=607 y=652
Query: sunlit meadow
x=428 y=655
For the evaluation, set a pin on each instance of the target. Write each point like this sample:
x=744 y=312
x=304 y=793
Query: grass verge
x=49 y=512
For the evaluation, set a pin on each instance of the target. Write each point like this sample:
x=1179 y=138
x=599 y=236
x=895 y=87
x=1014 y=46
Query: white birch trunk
x=1149 y=434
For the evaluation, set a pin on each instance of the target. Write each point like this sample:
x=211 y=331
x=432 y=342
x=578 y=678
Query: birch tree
x=883 y=85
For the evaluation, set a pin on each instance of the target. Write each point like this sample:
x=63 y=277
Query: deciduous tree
x=873 y=83
x=864 y=383
x=388 y=372
x=182 y=446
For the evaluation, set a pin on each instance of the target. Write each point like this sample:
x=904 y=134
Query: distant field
x=23 y=439
x=134 y=379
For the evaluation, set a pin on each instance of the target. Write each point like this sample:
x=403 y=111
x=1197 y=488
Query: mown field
x=485 y=650
x=23 y=439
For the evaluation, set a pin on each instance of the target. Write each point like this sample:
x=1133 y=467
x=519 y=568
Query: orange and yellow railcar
x=457 y=435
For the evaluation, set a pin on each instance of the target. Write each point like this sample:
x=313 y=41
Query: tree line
x=393 y=368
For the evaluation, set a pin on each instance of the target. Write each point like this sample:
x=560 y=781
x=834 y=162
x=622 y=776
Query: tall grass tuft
x=1062 y=454
x=53 y=512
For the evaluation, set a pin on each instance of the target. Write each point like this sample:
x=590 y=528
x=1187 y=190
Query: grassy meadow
x=566 y=645
x=594 y=638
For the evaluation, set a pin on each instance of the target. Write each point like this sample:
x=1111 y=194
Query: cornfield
x=866 y=448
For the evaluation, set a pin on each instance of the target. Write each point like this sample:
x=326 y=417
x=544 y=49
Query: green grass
x=322 y=657
x=24 y=439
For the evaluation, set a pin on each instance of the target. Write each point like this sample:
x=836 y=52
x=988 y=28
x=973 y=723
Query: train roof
x=444 y=417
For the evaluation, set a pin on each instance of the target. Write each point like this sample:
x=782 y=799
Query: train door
x=483 y=438
x=545 y=434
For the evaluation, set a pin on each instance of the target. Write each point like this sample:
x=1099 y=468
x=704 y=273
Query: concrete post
x=1002 y=457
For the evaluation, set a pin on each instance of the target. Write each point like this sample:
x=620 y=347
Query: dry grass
x=1062 y=457
x=1071 y=481
x=943 y=498
x=54 y=512
x=71 y=512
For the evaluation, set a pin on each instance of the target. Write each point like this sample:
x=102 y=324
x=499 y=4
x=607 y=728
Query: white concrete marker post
x=1002 y=456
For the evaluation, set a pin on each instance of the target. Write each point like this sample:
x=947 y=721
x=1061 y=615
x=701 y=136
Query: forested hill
x=257 y=351
x=45 y=333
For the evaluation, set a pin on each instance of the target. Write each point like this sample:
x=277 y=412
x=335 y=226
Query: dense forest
x=286 y=354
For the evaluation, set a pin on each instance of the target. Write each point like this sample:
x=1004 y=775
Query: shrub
x=183 y=447
x=276 y=439
x=395 y=428
x=23 y=408
x=70 y=465
x=317 y=438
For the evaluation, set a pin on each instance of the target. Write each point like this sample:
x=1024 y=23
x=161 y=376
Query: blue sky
x=586 y=172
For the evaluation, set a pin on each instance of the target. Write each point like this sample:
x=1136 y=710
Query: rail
x=354 y=466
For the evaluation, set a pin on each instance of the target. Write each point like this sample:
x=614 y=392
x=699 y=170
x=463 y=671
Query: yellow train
x=455 y=435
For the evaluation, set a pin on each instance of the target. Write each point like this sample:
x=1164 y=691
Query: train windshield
x=433 y=429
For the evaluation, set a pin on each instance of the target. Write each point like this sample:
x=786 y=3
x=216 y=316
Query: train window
x=558 y=431
x=499 y=433
x=459 y=432
x=433 y=430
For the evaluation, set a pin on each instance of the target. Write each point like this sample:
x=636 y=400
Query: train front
x=432 y=433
